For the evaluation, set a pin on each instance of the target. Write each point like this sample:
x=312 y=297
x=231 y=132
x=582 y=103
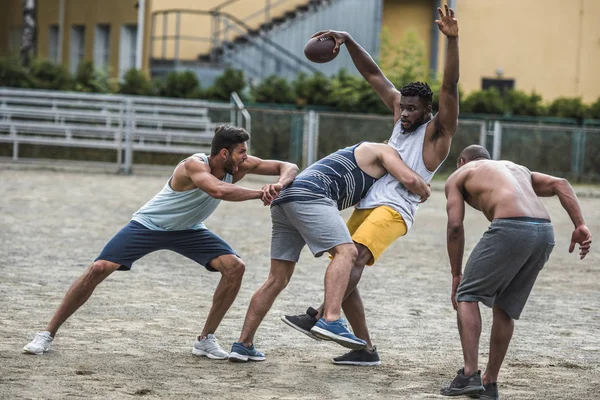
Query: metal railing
x=125 y=124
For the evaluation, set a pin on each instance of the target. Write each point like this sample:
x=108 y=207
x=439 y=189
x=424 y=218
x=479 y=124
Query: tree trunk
x=29 y=31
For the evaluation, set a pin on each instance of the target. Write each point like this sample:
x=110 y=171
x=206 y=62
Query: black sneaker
x=490 y=392
x=303 y=322
x=464 y=384
x=359 y=357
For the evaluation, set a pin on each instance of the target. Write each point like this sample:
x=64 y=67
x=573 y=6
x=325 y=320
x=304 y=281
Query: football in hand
x=320 y=50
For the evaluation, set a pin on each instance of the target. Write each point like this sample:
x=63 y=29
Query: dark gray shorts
x=317 y=223
x=505 y=264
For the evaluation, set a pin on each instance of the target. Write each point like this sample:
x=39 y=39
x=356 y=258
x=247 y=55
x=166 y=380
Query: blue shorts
x=134 y=241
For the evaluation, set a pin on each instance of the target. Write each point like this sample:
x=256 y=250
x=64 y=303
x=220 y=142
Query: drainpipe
x=61 y=31
x=435 y=41
x=139 y=45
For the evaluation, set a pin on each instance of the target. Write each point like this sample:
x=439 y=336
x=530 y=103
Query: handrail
x=235 y=98
x=261 y=35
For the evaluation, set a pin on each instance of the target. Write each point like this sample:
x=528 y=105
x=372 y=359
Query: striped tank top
x=336 y=177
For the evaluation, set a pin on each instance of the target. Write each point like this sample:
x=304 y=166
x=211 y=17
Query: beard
x=413 y=127
x=229 y=166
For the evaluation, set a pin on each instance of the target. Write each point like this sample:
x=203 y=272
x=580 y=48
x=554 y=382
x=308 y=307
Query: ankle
x=486 y=378
x=467 y=371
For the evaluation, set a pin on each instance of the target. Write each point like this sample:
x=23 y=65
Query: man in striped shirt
x=307 y=213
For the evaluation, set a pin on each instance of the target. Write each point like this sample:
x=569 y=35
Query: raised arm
x=455 y=234
x=367 y=67
x=391 y=161
x=446 y=121
x=199 y=173
x=547 y=186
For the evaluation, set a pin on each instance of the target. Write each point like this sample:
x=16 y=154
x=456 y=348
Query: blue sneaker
x=241 y=353
x=339 y=333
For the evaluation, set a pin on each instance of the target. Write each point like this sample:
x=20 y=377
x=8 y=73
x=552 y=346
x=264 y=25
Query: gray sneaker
x=40 y=344
x=209 y=347
x=463 y=384
x=359 y=357
x=490 y=392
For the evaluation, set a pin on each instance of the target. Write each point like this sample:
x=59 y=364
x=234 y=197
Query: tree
x=29 y=31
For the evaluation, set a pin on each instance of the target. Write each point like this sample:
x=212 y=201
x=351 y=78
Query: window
x=53 y=44
x=77 y=45
x=102 y=46
x=503 y=85
x=127 y=51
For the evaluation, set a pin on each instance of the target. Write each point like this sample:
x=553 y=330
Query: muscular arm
x=391 y=161
x=199 y=173
x=367 y=67
x=446 y=121
x=548 y=186
x=455 y=208
x=254 y=165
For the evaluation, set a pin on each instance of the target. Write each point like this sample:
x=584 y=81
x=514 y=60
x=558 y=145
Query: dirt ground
x=134 y=336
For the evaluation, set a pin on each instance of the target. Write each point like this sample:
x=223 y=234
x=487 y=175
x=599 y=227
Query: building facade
x=551 y=47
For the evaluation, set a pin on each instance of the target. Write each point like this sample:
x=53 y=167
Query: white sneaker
x=210 y=348
x=40 y=343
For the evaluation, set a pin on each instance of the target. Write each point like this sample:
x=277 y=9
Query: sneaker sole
x=296 y=327
x=342 y=341
x=464 y=391
x=360 y=363
x=236 y=357
x=33 y=353
x=202 y=353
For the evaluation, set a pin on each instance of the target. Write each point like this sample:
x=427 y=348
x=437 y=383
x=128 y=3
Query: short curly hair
x=418 y=89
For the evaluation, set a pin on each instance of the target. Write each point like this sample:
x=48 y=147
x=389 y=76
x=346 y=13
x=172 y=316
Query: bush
x=136 y=82
x=48 y=75
x=273 y=89
x=183 y=85
x=90 y=80
x=231 y=81
x=13 y=74
x=315 y=90
x=594 y=110
x=566 y=107
x=487 y=101
x=520 y=103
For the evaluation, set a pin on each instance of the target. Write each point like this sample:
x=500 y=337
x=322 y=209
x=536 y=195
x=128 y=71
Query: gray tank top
x=170 y=210
x=387 y=191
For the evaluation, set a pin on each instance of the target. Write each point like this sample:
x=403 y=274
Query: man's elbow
x=216 y=193
x=455 y=230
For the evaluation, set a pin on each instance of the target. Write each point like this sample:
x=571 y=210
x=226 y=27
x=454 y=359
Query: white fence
x=125 y=124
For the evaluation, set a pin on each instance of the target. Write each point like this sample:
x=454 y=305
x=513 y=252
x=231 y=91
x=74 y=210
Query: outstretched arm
x=455 y=238
x=367 y=67
x=547 y=186
x=254 y=165
x=446 y=121
x=199 y=173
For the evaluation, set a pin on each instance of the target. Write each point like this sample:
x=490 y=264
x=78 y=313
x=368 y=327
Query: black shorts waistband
x=526 y=219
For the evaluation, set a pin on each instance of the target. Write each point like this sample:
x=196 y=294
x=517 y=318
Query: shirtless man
x=504 y=265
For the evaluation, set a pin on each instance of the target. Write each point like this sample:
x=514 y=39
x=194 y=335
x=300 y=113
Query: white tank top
x=170 y=210
x=387 y=191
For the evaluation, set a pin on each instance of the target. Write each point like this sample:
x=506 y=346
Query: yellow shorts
x=376 y=229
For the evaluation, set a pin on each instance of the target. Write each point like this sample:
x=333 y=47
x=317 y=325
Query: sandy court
x=133 y=338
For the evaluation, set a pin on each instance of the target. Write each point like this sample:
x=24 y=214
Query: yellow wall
x=400 y=16
x=200 y=26
x=89 y=13
x=544 y=45
x=11 y=16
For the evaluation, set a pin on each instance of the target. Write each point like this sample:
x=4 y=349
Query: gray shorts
x=317 y=223
x=505 y=264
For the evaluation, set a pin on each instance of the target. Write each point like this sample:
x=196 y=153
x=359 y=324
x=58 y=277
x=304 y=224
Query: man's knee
x=230 y=266
x=363 y=257
x=100 y=269
x=347 y=250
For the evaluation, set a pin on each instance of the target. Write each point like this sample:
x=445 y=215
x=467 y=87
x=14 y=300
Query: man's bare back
x=500 y=189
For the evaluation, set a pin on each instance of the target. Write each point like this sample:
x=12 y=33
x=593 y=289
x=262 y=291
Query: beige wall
x=550 y=46
x=400 y=16
x=200 y=26
x=11 y=16
x=88 y=13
